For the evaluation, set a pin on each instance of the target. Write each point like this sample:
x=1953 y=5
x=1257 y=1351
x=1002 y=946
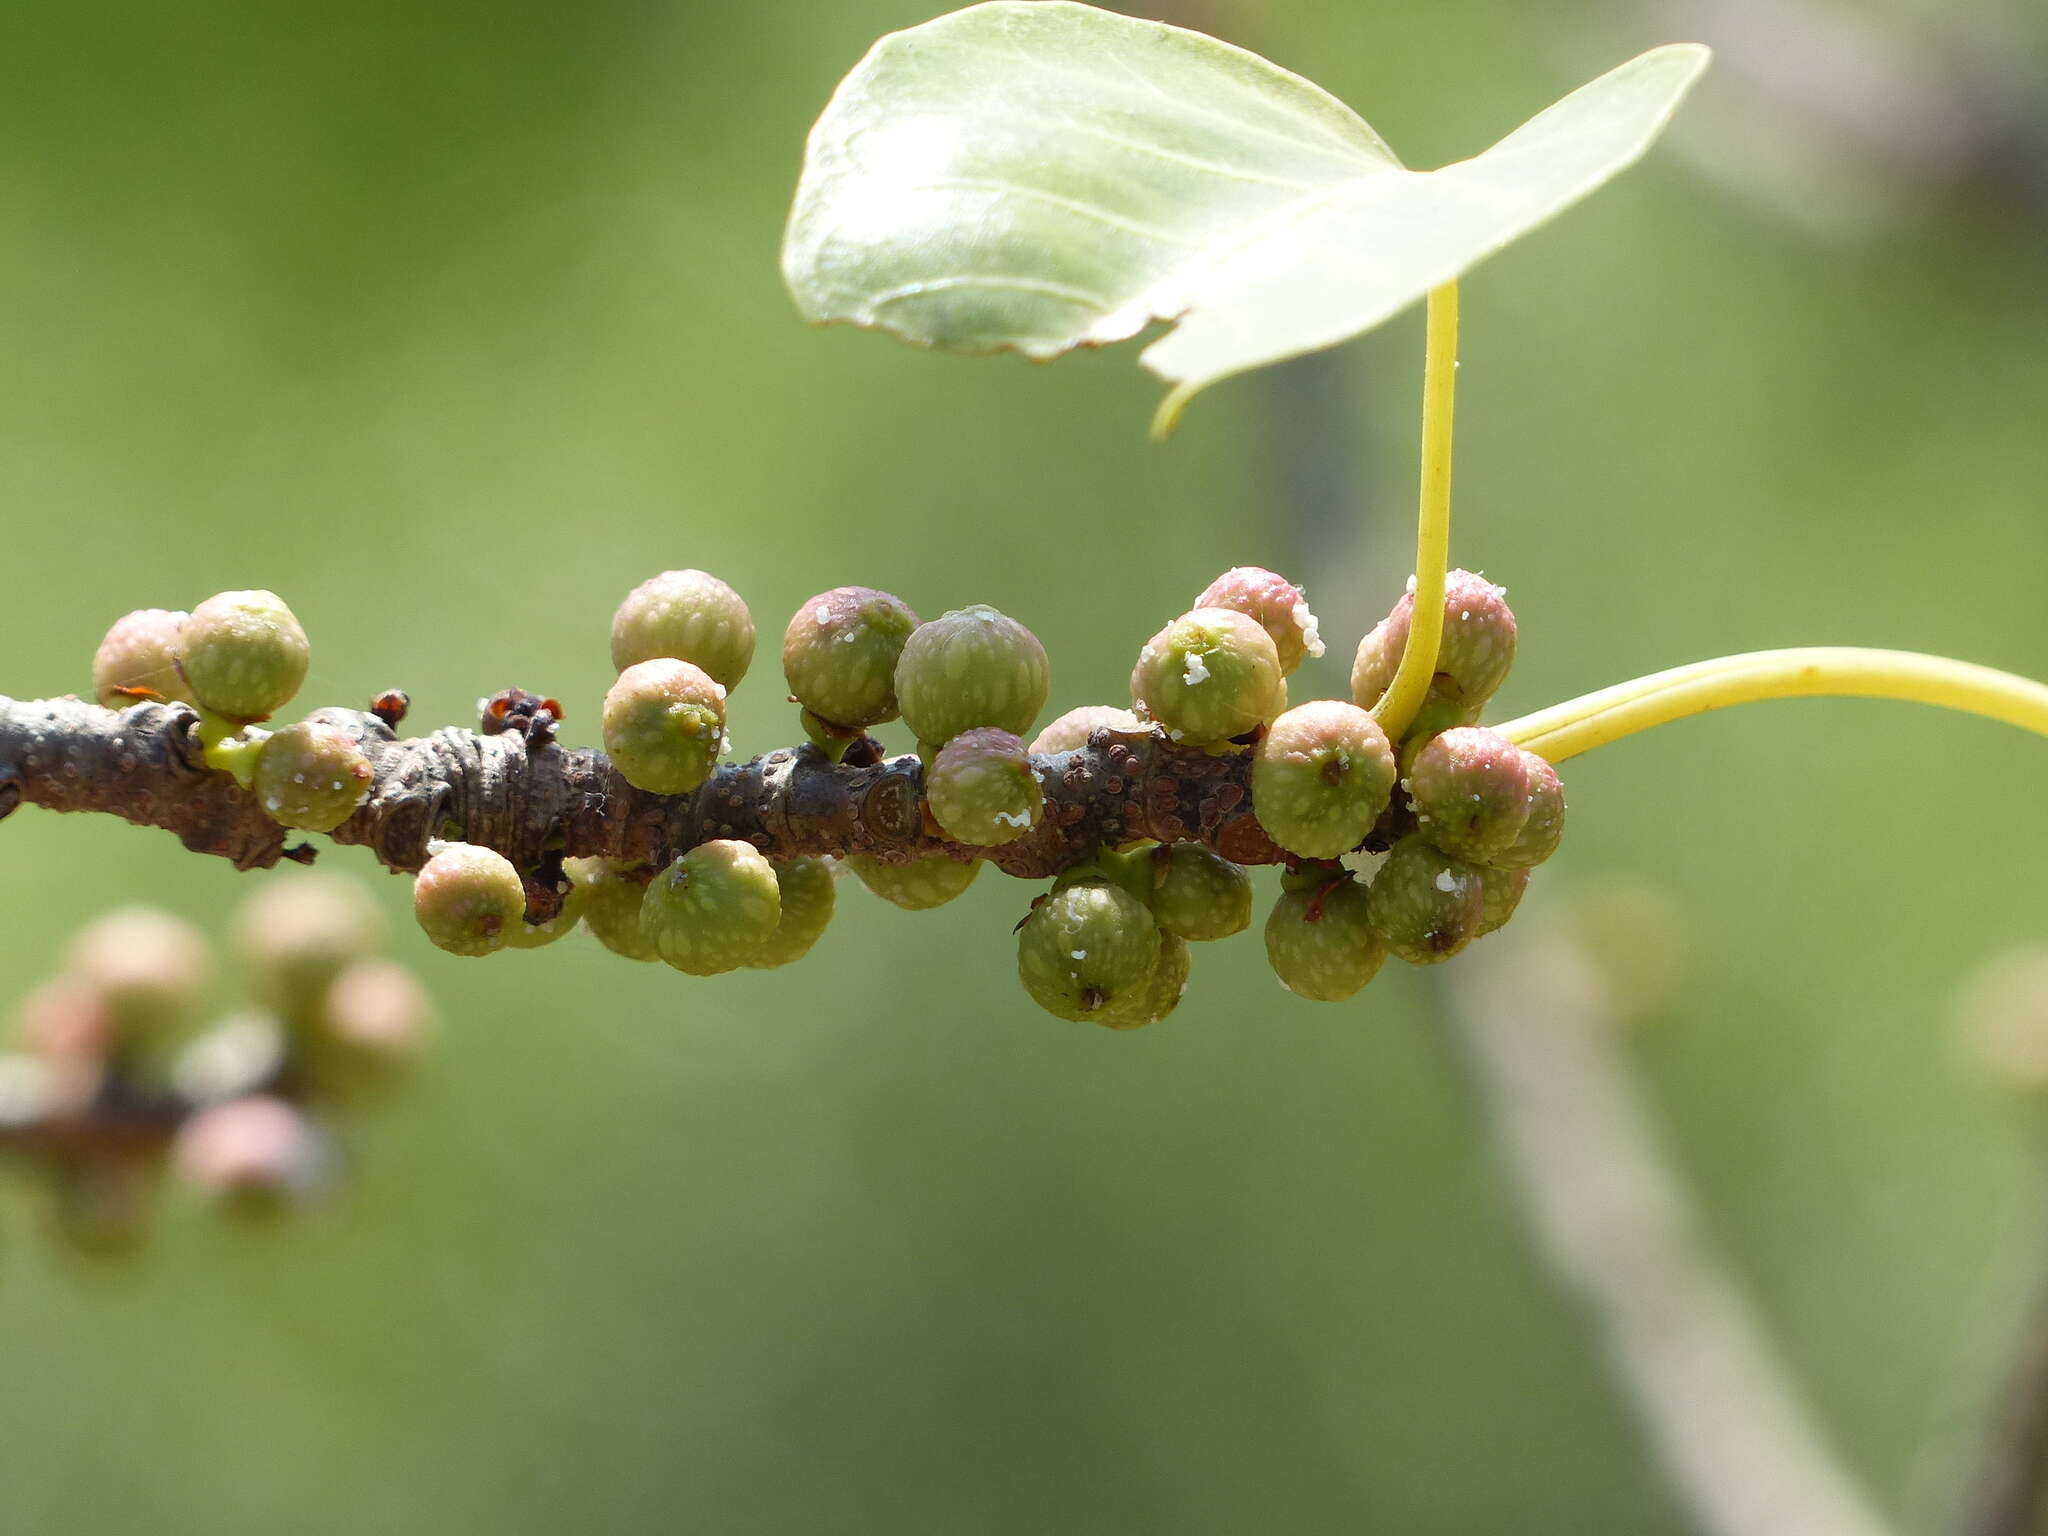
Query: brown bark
x=529 y=798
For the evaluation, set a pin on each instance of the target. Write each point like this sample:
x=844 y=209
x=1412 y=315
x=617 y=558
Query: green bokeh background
x=452 y=323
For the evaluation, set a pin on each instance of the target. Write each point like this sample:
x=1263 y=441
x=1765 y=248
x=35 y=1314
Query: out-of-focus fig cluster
x=111 y=1088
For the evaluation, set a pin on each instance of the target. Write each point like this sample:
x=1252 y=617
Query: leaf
x=1041 y=175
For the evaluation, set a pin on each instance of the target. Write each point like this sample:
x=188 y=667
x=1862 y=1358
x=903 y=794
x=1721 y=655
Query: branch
x=528 y=798
x=1726 y=1423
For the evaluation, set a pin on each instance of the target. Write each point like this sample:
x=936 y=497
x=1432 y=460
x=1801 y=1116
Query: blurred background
x=453 y=324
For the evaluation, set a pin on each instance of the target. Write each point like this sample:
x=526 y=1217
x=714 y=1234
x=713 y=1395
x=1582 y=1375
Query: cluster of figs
x=1412 y=847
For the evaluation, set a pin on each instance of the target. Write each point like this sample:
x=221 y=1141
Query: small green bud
x=1477 y=648
x=140 y=656
x=664 y=725
x=1276 y=603
x=1321 y=776
x=1544 y=829
x=612 y=900
x=1471 y=789
x=972 y=666
x=685 y=616
x=1500 y=892
x=713 y=909
x=1087 y=951
x=298 y=932
x=1208 y=676
x=468 y=898
x=1162 y=990
x=808 y=892
x=982 y=790
x=1197 y=894
x=148 y=967
x=1426 y=905
x=840 y=653
x=1071 y=731
x=311 y=776
x=244 y=654
x=1319 y=942
x=918 y=885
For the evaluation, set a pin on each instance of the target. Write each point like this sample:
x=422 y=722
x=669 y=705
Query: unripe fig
x=713 y=909
x=1477 y=648
x=311 y=776
x=140 y=656
x=1276 y=603
x=148 y=967
x=34 y=1089
x=1087 y=951
x=611 y=906
x=468 y=898
x=808 y=893
x=1500 y=892
x=1319 y=942
x=1208 y=676
x=1471 y=789
x=1161 y=993
x=972 y=666
x=1443 y=709
x=982 y=790
x=840 y=653
x=1544 y=829
x=1321 y=776
x=1070 y=732
x=298 y=932
x=67 y=1019
x=664 y=725
x=1426 y=905
x=916 y=886
x=685 y=616
x=1198 y=894
x=259 y=1155
x=244 y=654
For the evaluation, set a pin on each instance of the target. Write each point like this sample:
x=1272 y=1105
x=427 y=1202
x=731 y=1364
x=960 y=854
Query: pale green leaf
x=1040 y=175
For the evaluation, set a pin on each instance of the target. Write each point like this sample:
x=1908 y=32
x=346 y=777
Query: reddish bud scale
x=1276 y=603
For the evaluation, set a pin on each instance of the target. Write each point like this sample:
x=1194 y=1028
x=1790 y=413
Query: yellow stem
x=1594 y=719
x=1396 y=710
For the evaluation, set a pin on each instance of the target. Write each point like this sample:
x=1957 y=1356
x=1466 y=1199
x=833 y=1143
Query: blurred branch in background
x=2002 y=1014
x=1536 y=1021
x=1846 y=122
